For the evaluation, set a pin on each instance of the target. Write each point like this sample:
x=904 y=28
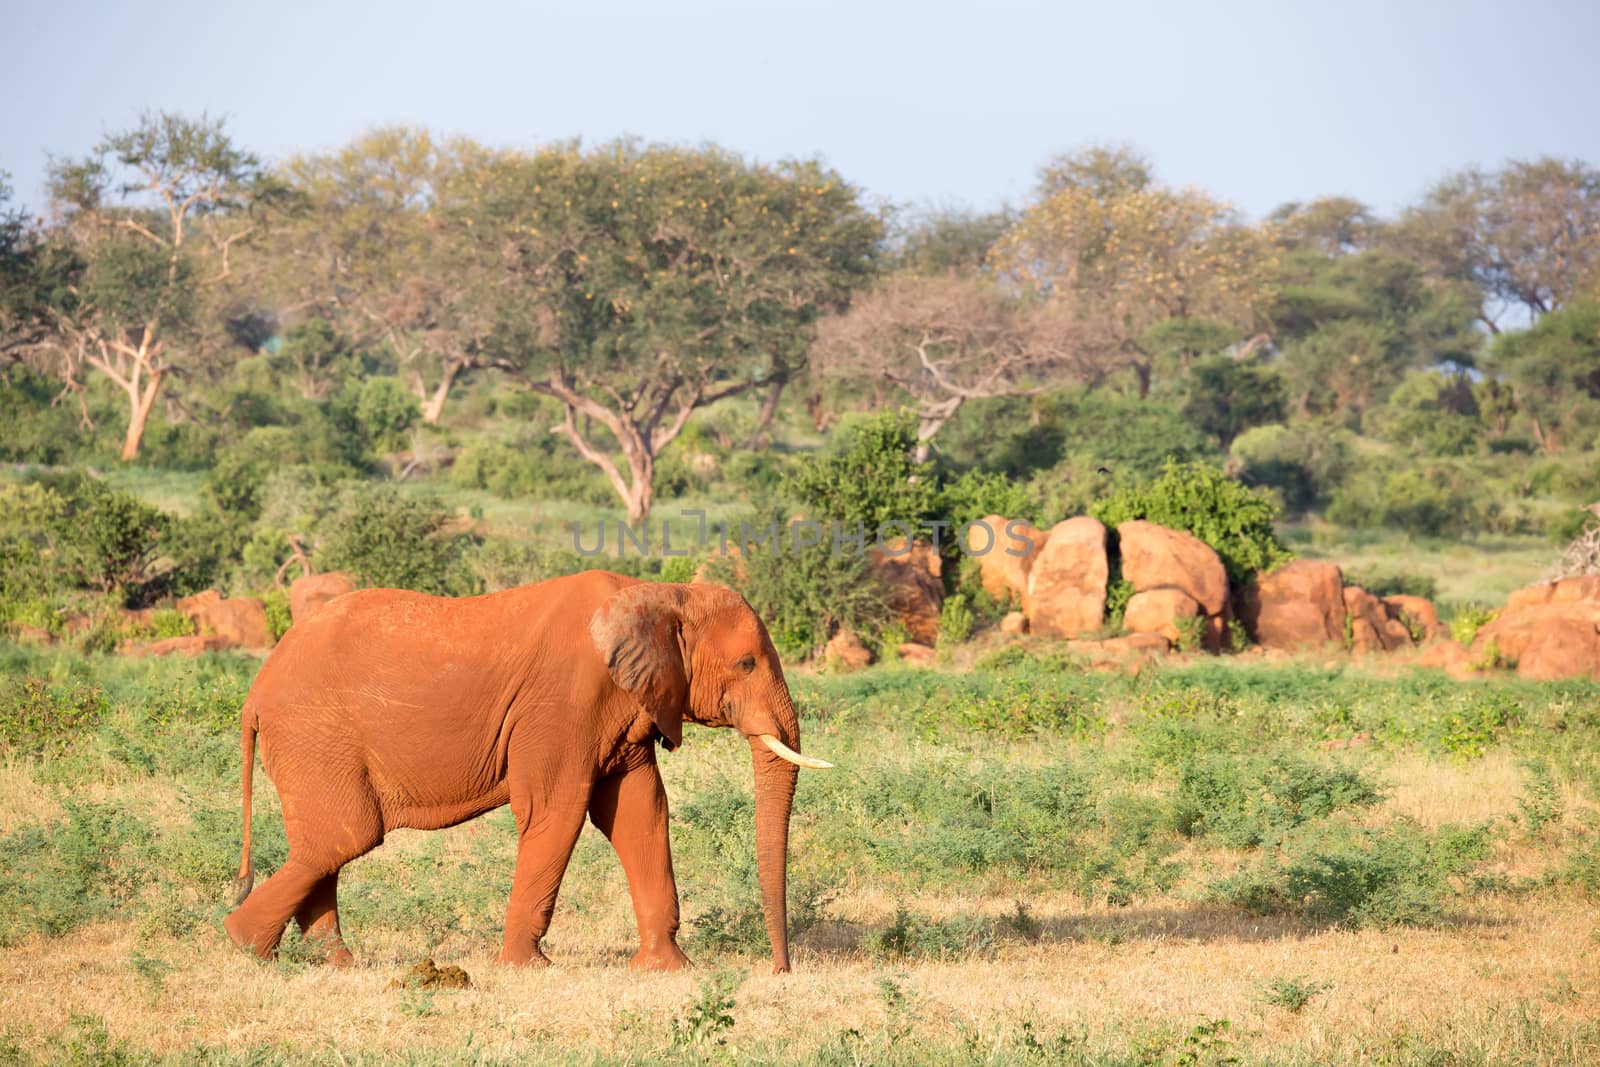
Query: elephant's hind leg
x=257 y=924
x=337 y=830
x=318 y=919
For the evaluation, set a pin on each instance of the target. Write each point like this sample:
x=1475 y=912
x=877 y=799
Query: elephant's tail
x=247 y=869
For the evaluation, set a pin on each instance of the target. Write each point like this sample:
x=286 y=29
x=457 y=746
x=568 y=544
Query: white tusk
x=792 y=756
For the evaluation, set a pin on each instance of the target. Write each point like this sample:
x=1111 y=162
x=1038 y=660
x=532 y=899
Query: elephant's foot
x=255 y=942
x=668 y=957
x=339 y=956
x=532 y=957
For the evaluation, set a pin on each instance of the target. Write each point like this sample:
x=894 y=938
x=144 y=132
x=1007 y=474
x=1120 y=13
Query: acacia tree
x=945 y=340
x=34 y=277
x=1527 y=236
x=368 y=248
x=155 y=213
x=637 y=285
x=1106 y=243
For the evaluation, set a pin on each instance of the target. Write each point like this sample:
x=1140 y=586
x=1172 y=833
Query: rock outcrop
x=1418 y=611
x=241 y=621
x=846 y=652
x=1005 y=551
x=1297 y=605
x=916 y=590
x=1067 y=582
x=1154 y=557
x=1372 y=628
x=1159 y=611
x=1544 y=638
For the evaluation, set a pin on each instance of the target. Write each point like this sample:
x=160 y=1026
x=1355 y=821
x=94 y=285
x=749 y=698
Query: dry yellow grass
x=1159 y=967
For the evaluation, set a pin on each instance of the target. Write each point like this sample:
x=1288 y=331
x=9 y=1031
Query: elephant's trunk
x=774 y=795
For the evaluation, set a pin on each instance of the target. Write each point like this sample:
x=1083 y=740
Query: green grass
x=961 y=802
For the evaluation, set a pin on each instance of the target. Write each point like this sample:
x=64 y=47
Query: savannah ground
x=1017 y=860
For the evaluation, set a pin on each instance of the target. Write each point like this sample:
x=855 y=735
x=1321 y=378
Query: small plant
x=1191 y=633
x=1207 y=1045
x=1469 y=620
x=1492 y=659
x=1293 y=994
x=279 y=618
x=955 y=620
x=1469 y=732
x=1021 y=920
x=709 y=1017
x=1238 y=638
x=890 y=638
x=151 y=971
x=1540 y=802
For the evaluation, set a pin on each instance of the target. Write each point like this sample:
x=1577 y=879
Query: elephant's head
x=699 y=652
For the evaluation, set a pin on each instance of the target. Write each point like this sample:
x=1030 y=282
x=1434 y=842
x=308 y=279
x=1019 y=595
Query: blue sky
x=927 y=103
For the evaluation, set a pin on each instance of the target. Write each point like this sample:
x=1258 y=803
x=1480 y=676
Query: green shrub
x=535 y=466
x=56 y=878
x=1396 y=875
x=806 y=594
x=1019 y=706
x=279 y=617
x=1228 y=397
x=1293 y=994
x=911 y=935
x=1234 y=520
x=955 y=620
x=1478 y=722
x=976 y=494
x=39 y=716
x=1432 y=501
x=395 y=541
x=1303 y=466
x=870 y=477
x=1246 y=801
x=1469 y=619
x=387 y=411
x=103 y=539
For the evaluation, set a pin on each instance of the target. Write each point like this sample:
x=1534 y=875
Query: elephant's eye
x=746 y=665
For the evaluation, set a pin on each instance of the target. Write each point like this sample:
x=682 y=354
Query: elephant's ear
x=638 y=634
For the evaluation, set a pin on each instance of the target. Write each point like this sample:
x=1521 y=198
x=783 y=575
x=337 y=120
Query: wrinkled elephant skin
x=391 y=709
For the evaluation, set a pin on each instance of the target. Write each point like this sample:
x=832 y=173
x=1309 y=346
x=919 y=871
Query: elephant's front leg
x=630 y=808
x=547 y=830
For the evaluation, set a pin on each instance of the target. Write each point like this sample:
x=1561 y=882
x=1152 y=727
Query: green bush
x=56 y=878
x=1246 y=801
x=1047 y=437
x=1228 y=397
x=1432 y=501
x=38 y=429
x=977 y=494
x=1469 y=619
x=955 y=620
x=1396 y=875
x=806 y=594
x=911 y=935
x=39 y=716
x=101 y=538
x=871 y=477
x=387 y=411
x=1234 y=520
x=395 y=541
x=536 y=466
x=1304 y=466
